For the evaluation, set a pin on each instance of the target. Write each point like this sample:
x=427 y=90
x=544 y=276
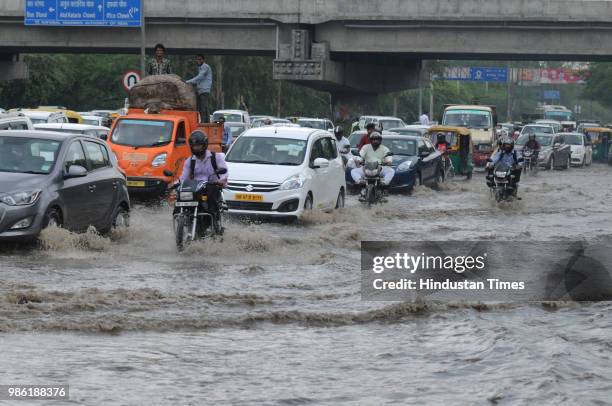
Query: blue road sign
x=489 y=74
x=83 y=12
x=552 y=94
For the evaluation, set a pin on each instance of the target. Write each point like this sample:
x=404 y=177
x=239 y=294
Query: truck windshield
x=467 y=118
x=142 y=133
x=558 y=115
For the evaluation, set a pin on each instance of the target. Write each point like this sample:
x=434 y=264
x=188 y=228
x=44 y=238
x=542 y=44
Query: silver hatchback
x=67 y=180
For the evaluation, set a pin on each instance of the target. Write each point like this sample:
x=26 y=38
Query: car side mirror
x=423 y=154
x=346 y=150
x=168 y=173
x=390 y=154
x=221 y=171
x=355 y=151
x=489 y=160
x=103 y=137
x=75 y=171
x=320 y=163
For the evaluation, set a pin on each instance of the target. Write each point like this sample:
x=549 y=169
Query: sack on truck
x=163 y=92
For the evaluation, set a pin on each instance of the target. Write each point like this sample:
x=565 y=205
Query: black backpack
x=213 y=161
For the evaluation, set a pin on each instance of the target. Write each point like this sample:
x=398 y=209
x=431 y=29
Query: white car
x=233 y=116
x=93 y=120
x=96 y=131
x=385 y=121
x=41 y=116
x=553 y=123
x=316 y=123
x=15 y=121
x=582 y=150
x=283 y=171
x=538 y=128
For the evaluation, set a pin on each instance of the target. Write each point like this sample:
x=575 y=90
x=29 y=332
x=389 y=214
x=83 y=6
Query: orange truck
x=146 y=144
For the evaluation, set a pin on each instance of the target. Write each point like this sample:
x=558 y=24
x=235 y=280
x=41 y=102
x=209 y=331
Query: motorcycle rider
x=441 y=144
x=365 y=140
x=533 y=144
x=375 y=151
x=506 y=155
x=203 y=166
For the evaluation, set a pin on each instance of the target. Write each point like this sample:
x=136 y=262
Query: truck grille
x=260 y=187
x=255 y=206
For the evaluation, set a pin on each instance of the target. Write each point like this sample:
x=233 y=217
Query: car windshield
x=27 y=155
x=390 y=124
x=573 y=139
x=319 y=125
x=406 y=132
x=537 y=129
x=401 y=146
x=355 y=137
x=267 y=151
x=558 y=115
x=467 y=118
x=237 y=130
x=230 y=118
x=543 y=140
x=38 y=120
x=91 y=121
x=142 y=133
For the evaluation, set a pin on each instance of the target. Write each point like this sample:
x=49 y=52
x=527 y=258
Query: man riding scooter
x=506 y=155
x=533 y=145
x=375 y=151
x=342 y=144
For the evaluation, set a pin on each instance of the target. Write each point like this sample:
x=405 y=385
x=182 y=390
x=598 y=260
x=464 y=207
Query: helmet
x=338 y=132
x=375 y=136
x=508 y=144
x=441 y=137
x=532 y=136
x=370 y=126
x=198 y=138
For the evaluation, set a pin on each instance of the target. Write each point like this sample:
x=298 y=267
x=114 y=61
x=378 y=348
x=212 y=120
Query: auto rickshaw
x=461 y=147
x=601 y=138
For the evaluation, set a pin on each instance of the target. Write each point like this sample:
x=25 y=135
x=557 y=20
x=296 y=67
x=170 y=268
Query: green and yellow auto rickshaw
x=601 y=139
x=461 y=151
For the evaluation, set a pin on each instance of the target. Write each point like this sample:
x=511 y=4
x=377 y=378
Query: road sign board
x=489 y=74
x=130 y=78
x=552 y=95
x=83 y=12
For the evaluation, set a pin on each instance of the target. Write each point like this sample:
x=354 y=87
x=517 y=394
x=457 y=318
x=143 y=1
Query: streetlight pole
x=143 y=39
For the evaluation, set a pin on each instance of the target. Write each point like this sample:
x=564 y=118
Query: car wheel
x=340 y=200
x=121 y=218
x=53 y=218
x=308 y=202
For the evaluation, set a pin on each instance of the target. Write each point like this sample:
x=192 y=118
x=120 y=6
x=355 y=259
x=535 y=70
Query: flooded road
x=273 y=314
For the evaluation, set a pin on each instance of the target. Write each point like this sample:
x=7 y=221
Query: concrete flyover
x=343 y=45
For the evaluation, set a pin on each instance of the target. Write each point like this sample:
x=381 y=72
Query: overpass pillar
x=12 y=68
x=308 y=63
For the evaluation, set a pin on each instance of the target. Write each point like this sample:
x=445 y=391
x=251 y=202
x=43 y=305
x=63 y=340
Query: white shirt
x=341 y=144
x=424 y=120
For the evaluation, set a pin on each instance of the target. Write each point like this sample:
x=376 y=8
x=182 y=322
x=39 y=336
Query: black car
x=67 y=180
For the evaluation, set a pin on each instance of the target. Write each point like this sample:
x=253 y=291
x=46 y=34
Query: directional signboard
x=83 y=12
x=489 y=74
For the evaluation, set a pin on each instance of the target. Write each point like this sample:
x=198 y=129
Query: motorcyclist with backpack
x=204 y=166
x=507 y=154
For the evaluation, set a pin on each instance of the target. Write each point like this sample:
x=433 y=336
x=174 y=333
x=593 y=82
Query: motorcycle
x=530 y=159
x=193 y=218
x=501 y=183
x=372 y=192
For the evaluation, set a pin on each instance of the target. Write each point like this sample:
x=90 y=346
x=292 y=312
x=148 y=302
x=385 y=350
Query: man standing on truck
x=203 y=83
x=159 y=65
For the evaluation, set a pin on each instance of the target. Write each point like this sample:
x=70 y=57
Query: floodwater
x=272 y=315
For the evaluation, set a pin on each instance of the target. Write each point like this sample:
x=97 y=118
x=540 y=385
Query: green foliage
x=599 y=84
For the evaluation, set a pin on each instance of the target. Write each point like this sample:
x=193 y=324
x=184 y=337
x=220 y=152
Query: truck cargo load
x=163 y=92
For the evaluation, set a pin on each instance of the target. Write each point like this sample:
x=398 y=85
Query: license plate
x=136 y=183
x=249 y=198
x=186 y=204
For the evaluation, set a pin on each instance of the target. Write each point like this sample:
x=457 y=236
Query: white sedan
x=283 y=171
x=582 y=150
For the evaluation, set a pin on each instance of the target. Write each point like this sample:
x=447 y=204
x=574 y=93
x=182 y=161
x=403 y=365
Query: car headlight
x=159 y=160
x=21 y=198
x=404 y=166
x=294 y=182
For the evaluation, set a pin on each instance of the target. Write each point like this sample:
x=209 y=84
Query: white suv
x=282 y=171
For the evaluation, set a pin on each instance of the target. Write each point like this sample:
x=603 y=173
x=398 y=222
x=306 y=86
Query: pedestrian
x=424 y=119
x=203 y=83
x=226 y=139
x=159 y=65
